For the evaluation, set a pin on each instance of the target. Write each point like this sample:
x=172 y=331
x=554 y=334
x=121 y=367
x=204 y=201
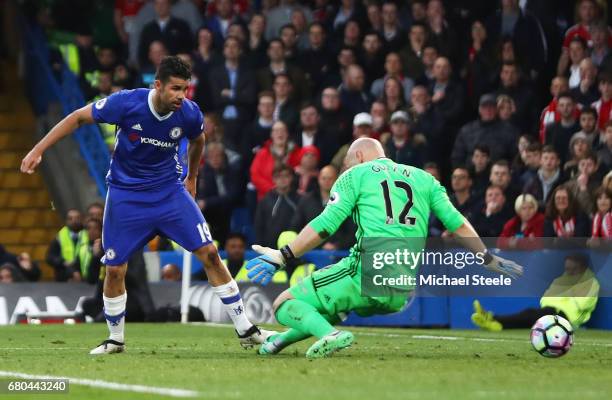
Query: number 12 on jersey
x=404 y=218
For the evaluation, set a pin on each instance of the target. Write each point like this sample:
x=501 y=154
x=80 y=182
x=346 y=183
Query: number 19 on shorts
x=204 y=232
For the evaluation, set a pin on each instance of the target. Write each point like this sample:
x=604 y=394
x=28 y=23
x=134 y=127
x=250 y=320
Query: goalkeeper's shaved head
x=363 y=150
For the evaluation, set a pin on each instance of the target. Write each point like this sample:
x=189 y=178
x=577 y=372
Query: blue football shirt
x=147 y=144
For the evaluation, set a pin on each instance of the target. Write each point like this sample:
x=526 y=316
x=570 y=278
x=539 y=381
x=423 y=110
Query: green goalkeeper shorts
x=336 y=290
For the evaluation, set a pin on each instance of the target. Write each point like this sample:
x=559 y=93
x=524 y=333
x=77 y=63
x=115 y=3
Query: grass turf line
x=383 y=364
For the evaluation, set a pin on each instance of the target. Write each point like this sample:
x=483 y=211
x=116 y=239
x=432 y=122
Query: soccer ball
x=552 y=336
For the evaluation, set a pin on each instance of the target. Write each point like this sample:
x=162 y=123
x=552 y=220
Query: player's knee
x=209 y=255
x=280 y=300
x=115 y=274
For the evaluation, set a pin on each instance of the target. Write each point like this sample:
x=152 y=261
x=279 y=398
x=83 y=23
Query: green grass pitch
x=382 y=364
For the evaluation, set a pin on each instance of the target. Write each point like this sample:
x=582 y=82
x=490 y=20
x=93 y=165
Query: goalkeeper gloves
x=262 y=268
x=507 y=267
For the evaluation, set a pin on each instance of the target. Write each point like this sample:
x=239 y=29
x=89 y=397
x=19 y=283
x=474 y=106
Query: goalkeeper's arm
x=468 y=238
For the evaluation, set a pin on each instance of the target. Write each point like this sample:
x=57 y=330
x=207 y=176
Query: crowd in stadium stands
x=508 y=103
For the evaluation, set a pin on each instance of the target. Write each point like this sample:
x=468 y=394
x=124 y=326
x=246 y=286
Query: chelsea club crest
x=175 y=133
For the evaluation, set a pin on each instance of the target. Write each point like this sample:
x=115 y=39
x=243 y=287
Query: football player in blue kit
x=146 y=196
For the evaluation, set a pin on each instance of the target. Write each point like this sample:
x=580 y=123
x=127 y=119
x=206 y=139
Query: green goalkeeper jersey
x=386 y=200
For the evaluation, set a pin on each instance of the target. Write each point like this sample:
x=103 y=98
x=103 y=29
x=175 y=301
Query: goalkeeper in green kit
x=386 y=200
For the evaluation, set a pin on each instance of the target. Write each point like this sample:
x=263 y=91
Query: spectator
x=427 y=122
x=522 y=95
x=501 y=177
x=480 y=165
x=478 y=63
x=235 y=248
x=380 y=119
x=280 y=15
x=63 y=249
x=430 y=55
x=346 y=57
x=588 y=126
x=586 y=182
x=350 y=38
x=604 y=154
x=21 y=264
x=577 y=52
x=123 y=18
x=531 y=158
x=277 y=208
x=333 y=117
x=587 y=13
x=205 y=55
x=285 y=107
x=157 y=52
x=353 y=97
x=234 y=92
x=432 y=169
x=220 y=22
x=558 y=134
x=411 y=55
x=307 y=171
x=362 y=127
x=603 y=106
x=600 y=43
x=579 y=147
x=550 y=114
x=499 y=137
x=289 y=37
x=461 y=197
x=391 y=32
x=173 y=32
x=528 y=223
x=313 y=203
x=586 y=92
x=315 y=59
x=298 y=21
x=312 y=134
x=442 y=34
x=220 y=189
x=402 y=147
x=547 y=178
x=564 y=219
x=258 y=132
x=90 y=252
x=372 y=57
x=171 y=273
x=257 y=44
x=279 y=151
x=489 y=220
x=95 y=211
x=393 y=69
x=10 y=274
x=506 y=110
x=374 y=14
x=266 y=76
x=393 y=95
x=447 y=95
x=601 y=229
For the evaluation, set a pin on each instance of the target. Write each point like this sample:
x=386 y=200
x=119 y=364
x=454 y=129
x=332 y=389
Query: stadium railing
x=44 y=87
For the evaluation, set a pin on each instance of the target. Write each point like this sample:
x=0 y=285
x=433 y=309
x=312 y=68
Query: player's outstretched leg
x=226 y=288
x=276 y=343
x=115 y=299
x=306 y=318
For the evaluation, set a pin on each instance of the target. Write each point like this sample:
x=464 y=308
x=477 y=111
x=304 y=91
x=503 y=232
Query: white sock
x=114 y=312
x=232 y=302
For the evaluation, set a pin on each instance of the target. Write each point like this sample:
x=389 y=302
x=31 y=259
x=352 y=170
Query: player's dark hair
x=173 y=66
